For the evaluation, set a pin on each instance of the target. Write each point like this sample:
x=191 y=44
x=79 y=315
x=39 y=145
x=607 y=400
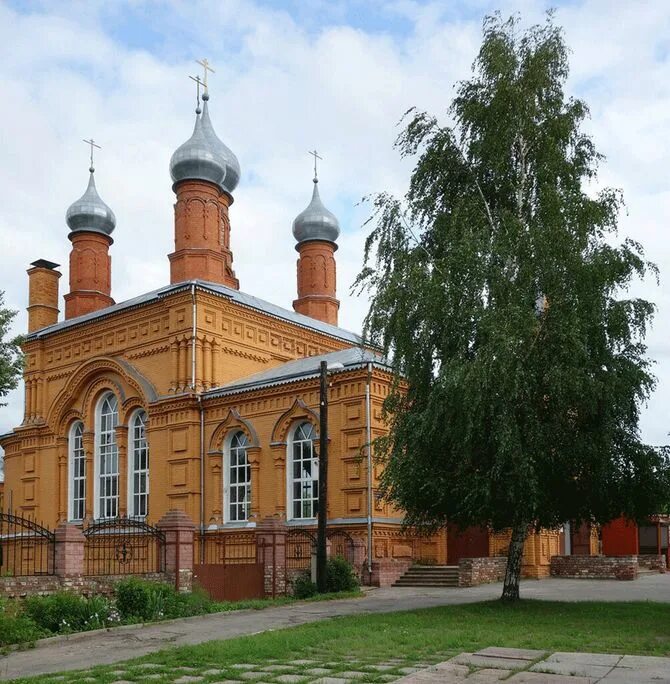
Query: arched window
x=107 y=457
x=303 y=473
x=138 y=466
x=77 y=472
x=237 y=487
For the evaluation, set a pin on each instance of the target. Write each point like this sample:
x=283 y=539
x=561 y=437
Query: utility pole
x=323 y=480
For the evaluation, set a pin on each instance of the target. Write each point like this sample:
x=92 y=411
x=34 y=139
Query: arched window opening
x=107 y=457
x=77 y=472
x=237 y=488
x=304 y=473
x=138 y=466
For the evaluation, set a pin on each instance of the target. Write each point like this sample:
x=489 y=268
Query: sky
x=291 y=76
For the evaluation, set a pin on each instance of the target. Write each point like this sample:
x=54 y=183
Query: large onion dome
x=232 y=176
x=198 y=158
x=316 y=222
x=89 y=213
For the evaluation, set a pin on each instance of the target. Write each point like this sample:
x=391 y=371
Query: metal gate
x=123 y=546
x=229 y=566
x=342 y=545
x=26 y=547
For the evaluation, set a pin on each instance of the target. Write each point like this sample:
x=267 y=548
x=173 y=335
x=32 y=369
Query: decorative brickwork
x=90 y=274
x=595 y=567
x=317 y=287
x=475 y=571
x=202 y=235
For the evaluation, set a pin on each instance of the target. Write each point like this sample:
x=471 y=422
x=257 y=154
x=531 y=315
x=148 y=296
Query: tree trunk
x=514 y=556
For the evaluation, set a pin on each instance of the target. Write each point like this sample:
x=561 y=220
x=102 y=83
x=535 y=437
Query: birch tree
x=498 y=288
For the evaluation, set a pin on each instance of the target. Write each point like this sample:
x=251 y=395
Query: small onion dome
x=232 y=177
x=198 y=158
x=316 y=222
x=89 y=213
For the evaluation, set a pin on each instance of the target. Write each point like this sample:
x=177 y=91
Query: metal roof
x=236 y=296
x=351 y=358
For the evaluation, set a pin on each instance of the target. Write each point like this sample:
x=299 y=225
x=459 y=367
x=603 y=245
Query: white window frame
x=304 y=480
x=240 y=485
x=137 y=443
x=76 y=453
x=106 y=506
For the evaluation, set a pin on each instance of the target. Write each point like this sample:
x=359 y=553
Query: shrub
x=18 y=629
x=143 y=600
x=65 y=612
x=340 y=576
x=303 y=587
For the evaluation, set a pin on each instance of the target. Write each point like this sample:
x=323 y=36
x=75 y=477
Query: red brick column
x=179 y=532
x=69 y=551
x=271 y=539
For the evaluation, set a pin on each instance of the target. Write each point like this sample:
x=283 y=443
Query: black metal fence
x=123 y=546
x=26 y=547
x=225 y=548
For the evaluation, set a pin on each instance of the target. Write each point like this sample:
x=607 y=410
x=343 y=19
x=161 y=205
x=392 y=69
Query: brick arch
x=90 y=380
x=298 y=411
x=232 y=421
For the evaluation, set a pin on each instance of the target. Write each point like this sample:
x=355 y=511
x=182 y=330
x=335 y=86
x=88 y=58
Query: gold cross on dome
x=93 y=144
x=205 y=65
x=316 y=156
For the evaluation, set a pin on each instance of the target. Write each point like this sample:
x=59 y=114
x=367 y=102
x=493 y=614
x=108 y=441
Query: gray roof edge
x=288 y=380
x=272 y=310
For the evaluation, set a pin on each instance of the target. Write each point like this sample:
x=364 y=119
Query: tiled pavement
x=524 y=666
x=519 y=666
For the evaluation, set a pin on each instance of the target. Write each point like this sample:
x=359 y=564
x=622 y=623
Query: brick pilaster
x=179 y=532
x=69 y=551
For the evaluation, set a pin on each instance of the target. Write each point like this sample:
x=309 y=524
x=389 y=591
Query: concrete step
x=429 y=576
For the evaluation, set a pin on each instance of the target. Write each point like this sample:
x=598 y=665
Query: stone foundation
x=595 y=567
x=386 y=571
x=652 y=562
x=45 y=585
x=475 y=571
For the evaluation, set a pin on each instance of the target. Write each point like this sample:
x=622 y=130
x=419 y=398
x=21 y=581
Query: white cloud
x=283 y=85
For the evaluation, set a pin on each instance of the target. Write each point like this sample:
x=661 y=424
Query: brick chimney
x=42 y=294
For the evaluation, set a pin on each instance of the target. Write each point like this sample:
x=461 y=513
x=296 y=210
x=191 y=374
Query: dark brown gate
x=229 y=566
x=581 y=539
x=471 y=542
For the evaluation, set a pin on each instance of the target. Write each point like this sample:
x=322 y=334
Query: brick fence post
x=69 y=551
x=179 y=532
x=271 y=539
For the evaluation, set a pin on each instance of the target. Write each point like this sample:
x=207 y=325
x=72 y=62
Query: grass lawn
x=381 y=647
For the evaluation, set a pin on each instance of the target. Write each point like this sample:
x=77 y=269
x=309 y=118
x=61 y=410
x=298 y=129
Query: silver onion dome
x=198 y=158
x=89 y=213
x=232 y=177
x=316 y=222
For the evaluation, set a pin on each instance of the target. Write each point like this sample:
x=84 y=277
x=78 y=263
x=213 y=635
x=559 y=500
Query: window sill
x=244 y=524
x=298 y=522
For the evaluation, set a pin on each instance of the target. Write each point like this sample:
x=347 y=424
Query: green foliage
x=340 y=576
x=15 y=626
x=138 y=599
x=11 y=358
x=498 y=291
x=65 y=612
x=303 y=587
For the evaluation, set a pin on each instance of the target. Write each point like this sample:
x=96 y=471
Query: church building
x=198 y=396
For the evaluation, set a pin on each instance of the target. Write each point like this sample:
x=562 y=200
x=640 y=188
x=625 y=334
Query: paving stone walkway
x=519 y=666
x=526 y=666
